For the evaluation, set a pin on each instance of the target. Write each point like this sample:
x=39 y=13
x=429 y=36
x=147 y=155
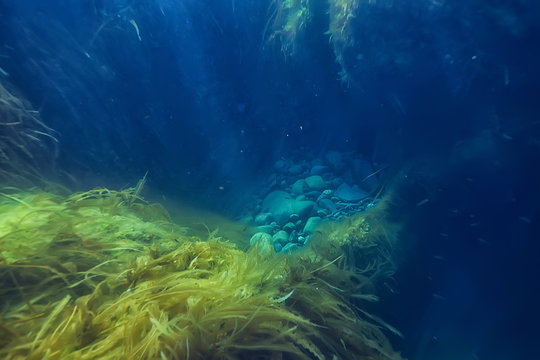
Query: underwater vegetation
x=341 y=13
x=288 y=19
x=104 y=274
x=292 y=16
x=24 y=138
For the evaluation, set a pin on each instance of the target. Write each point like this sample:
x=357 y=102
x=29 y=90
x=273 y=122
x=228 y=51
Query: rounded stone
x=289 y=248
x=315 y=182
x=289 y=227
x=322 y=213
x=311 y=225
x=318 y=169
x=350 y=193
x=263 y=228
x=294 y=217
x=296 y=169
x=298 y=187
x=260 y=237
x=281 y=237
x=264 y=218
x=327 y=204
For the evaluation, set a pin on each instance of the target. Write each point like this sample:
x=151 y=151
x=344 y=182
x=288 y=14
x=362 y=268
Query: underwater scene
x=270 y=179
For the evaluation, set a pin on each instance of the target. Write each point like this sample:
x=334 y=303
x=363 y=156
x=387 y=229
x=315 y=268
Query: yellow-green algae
x=290 y=17
x=105 y=275
x=341 y=14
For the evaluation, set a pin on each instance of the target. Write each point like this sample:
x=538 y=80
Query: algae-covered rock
x=311 y=225
x=289 y=248
x=280 y=237
x=260 y=237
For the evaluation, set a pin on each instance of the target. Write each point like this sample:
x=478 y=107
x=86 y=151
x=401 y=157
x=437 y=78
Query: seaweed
x=288 y=19
x=105 y=275
x=341 y=14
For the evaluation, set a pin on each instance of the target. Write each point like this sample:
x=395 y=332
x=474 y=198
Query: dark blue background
x=444 y=93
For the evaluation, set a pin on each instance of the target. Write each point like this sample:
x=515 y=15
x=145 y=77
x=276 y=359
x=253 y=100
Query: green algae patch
x=106 y=275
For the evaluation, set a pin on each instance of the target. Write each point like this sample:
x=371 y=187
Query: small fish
x=390 y=288
x=423 y=202
x=3 y=72
x=444 y=234
x=438 y=257
x=282 y=299
x=482 y=241
x=132 y=22
x=525 y=219
x=455 y=211
x=506 y=76
x=473 y=225
x=438 y=297
x=507 y=137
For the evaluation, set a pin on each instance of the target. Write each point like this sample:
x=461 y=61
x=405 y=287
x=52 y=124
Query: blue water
x=442 y=98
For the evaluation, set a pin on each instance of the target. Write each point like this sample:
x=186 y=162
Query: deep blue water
x=444 y=96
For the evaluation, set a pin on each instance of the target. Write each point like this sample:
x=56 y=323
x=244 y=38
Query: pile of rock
x=302 y=194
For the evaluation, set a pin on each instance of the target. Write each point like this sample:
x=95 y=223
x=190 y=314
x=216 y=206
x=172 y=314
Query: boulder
x=264 y=218
x=311 y=225
x=315 y=182
x=260 y=237
x=298 y=187
x=327 y=204
x=289 y=227
x=269 y=229
x=318 y=169
x=296 y=169
x=294 y=217
x=281 y=237
x=350 y=193
x=280 y=204
x=289 y=248
x=303 y=208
